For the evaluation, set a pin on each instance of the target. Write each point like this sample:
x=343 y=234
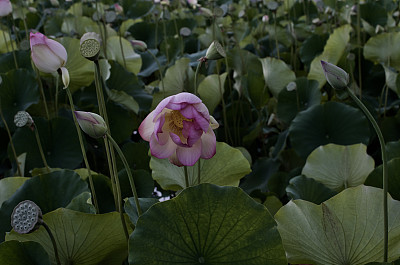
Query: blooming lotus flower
x=180 y=128
x=5 y=8
x=49 y=55
x=91 y=123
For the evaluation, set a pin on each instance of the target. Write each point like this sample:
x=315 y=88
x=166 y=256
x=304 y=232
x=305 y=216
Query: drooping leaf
x=23 y=253
x=226 y=168
x=333 y=50
x=8 y=186
x=85 y=239
x=276 y=74
x=82 y=203
x=338 y=166
x=331 y=122
x=133 y=61
x=346 y=229
x=131 y=210
x=121 y=97
x=49 y=191
x=211 y=90
x=383 y=48
x=206 y=224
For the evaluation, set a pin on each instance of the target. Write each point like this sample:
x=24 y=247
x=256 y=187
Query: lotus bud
x=215 y=51
x=26 y=217
x=118 y=9
x=22 y=118
x=139 y=45
x=5 y=8
x=265 y=18
x=90 y=46
x=336 y=76
x=91 y=123
x=65 y=76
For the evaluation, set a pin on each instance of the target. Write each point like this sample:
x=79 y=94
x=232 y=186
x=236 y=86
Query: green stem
x=78 y=129
x=276 y=38
x=53 y=241
x=165 y=38
x=42 y=92
x=198 y=171
x=122 y=47
x=159 y=69
x=384 y=168
x=40 y=148
x=56 y=97
x=195 y=76
x=12 y=48
x=128 y=171
x=186 y=176
x=359 y=47
x=11 y=141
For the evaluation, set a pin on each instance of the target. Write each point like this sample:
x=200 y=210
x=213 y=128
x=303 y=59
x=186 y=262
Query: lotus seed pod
x=26 y=217
x=215 y=51
x=90 y=45
x=22 y=118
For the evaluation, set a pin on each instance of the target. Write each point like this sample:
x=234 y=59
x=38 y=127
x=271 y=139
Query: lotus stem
x=40 y=148
x=186 y=176
x=53 y=241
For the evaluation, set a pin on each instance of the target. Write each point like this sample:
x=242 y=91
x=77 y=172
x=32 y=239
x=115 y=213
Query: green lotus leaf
x=85 y=239
x=8 y=186
x=276 y=74
x=124 y=99
x=226 y=168
x=81 y=24
x=207 y=224
x=6 y=44
x=331 y=122
x=346 y=229
x=339 y=167
x=384 y=48
x=210 y=92
x=333 y=51
x=308 y=189
x=18 y=91
x=23 y=253
x=393 y=149
x=49 y=191
x=23 y=61
x=133 y=61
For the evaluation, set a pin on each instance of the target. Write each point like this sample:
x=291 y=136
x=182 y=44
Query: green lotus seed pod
x=26 y=217
x=215 y=51
x=22 y=118
x=90 y=46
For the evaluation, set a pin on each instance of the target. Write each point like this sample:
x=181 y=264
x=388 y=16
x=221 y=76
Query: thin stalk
x=165 y=39
x=384 y=168
x=53 y=241
x=11 y=141
x=159 y=70
x=42 y=92
x=276 y=38
x=12 y=48
x=56 y=97
x=112 y=175
x=78 y=129
x=186 y=176
x=180 y=36
x=198 y=171
x=122 y=47
x=5 y=41
x=359 y=47
x=195 y=76
x=41 y=148
x=128 y=171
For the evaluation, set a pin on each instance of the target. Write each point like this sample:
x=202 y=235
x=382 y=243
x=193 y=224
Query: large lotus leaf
x=59 y=140
x=49 y=191
x=376 y=176
x=23 y=253
x=374 y=13
x=226 y=168
x=331 y=122
x=82 y=24
x=333 y=51
x=176 y=80
x=133 y=61
x=311 y=47
x=276 y=74
x=306 y=95
x=393 y=149
x=84 y=239
x=18 y=91
x=81 y=70
x=211 y=90
x=122 y=123
x=6 y=45
x=150 y=33
x=384 y=48
x=137 y=9
x=308 y=189
x=346 y=229
x=7 y=61
x=8 y=186
x=339 y=167
x=207 y=224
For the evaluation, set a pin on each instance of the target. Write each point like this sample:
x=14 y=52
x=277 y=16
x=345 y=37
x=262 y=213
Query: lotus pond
x=199 y=132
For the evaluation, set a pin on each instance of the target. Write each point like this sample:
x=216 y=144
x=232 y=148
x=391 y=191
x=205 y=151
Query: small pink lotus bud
x=336 y=76
x=91 y=123
x=5 y=8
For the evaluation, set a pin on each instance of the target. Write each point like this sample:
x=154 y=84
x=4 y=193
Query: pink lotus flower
x=180 y=128
x=49 y=55
x=5 y=8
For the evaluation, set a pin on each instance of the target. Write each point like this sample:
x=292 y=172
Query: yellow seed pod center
x=178 y=119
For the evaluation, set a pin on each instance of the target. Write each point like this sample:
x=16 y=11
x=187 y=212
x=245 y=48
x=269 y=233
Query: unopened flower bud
x=336 y=76
x=91 y=123
x=265 y=18
x=26 y=217
x=22 y=118
x=215 y=51
x=90 y=46
x=139 y=45
x=65 y=76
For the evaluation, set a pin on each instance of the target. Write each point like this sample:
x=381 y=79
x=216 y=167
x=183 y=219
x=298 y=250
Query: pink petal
x=174 y=160
x=185 y=98
x=188 y=156
x=162 y=150
x=5 y=8
x=146 y=128
x=158 y=125
x=161 y=106
x=208 y=144
x=37 y=38
x=190 y=112
x=58 y=50
x=192 y=132
x=177 y=140
x=45 y=60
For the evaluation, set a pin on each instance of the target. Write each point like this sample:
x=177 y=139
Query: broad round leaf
x=18 y=91
x=84 y=239
x=333 y=51
x=332 y=122
x=226 y=168
x=308 y=189
x=211 y=90
x=207 y=224
x=8 y=186
x=346 y=229
x=59 y=140
x=384 y=48
x=133 y=61
x=23 y=253
x=49 y=191
x=338 y=166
